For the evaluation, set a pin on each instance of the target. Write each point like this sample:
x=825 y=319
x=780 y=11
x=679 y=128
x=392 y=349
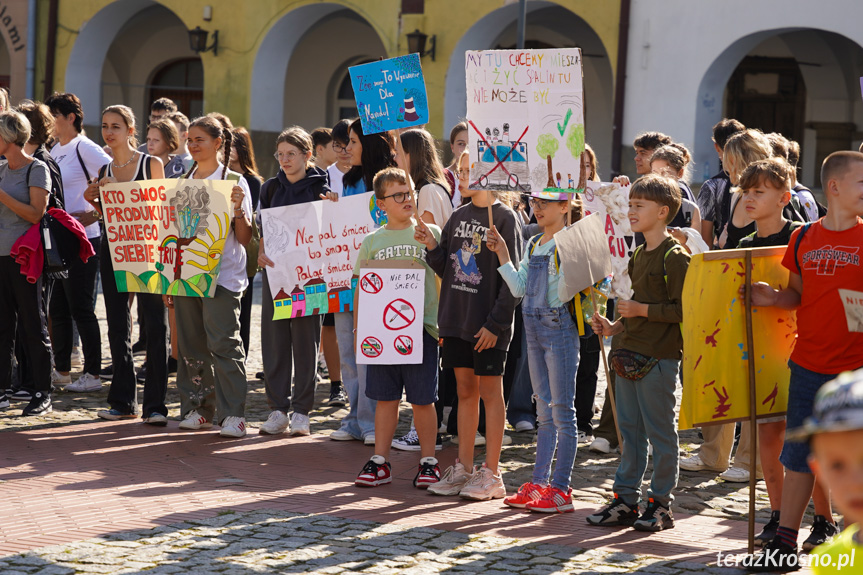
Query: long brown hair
x=214 y=128
x=377 y=154
x=128 y=116
x=245 y=152
x=425 y=165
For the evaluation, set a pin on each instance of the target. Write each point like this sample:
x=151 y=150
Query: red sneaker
x=552 y=501
x=526 y=493
x=427 y=474
x=376 y=472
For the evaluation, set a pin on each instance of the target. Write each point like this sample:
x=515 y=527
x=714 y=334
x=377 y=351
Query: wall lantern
x=417 y=43
x=198 y=41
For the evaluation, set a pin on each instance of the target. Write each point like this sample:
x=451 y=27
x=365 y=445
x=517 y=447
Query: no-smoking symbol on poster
x=399 y=314
x=404 y=345
x=371 y=347
x=371 y=283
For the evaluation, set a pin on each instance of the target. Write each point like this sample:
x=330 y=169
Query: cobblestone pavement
x=240 y=542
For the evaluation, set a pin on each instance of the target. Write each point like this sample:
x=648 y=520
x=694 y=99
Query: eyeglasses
x=539 y=204
x=339 y=148
x=291 y=156
x=401 y=197
x=464 y=174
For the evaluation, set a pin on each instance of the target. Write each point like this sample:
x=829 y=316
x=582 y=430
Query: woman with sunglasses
x=289 y=347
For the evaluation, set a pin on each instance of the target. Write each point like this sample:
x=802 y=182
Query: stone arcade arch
x=551 y=24
x=830 y=66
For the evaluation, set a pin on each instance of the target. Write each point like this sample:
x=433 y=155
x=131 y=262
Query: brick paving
x=80 y=495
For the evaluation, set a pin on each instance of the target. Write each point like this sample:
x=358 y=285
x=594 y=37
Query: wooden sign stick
x=490 y=198
x=753 y=425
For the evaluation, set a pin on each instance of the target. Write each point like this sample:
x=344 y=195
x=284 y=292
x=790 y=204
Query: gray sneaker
x=453 y=480
x=484 y=485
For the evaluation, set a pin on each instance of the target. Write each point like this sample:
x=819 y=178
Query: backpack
x=797 y=247
x=59 y=243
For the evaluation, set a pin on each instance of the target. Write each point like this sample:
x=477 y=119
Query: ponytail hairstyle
x=245 y=151
x=300 y=139
x=742 y=149
x=214 y=128
x=425 y=165
x=677 y=157
x=377 y=154
x=128 y=116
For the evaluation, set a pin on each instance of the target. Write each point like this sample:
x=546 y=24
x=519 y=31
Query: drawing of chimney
x=410 y=111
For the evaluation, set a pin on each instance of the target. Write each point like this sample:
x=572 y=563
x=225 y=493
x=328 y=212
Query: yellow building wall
x=243 y=26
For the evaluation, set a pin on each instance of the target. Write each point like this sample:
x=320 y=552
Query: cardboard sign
x=584 y=257
x=167 y=236
x=390 y=94
x=525 y=119
x=611 y=203
x=715 y=368
x=390 y=315
x=314 y=247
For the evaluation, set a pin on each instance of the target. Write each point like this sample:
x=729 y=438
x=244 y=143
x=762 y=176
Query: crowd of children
x=492 y=287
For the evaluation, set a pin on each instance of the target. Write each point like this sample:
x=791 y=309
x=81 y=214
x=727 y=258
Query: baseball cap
x=838 y=407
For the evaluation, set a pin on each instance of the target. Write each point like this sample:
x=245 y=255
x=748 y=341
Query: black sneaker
x=107 y=373
x=172 y=366
x=656 y=517
x=39 y=405
x=260 y=375
x=822 y=532
x=4 y=402
x=769 y=532
x=21 y=395
x=615 y=514
x=141 y=375
x=139 y=348
x=338 y=397
x=776 y=557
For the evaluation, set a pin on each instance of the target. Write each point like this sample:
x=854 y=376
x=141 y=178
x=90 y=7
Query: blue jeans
x=645 y=411
x=552 y=349
x=520 y=405
x=360 y=421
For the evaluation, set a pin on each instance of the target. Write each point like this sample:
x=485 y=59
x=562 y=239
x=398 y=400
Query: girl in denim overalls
x=552 y=346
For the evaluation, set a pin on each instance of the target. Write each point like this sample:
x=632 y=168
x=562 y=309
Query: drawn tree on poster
x=192 y=208
x=575 y=140
x=546 y=147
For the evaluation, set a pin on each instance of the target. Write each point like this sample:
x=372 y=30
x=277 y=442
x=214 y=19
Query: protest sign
x=526 y=119
x=611 y=202
x=314 y=247
x=715 y=368
x=390 y=94
x=390 y=315
x=167 y=236
x=584 y=259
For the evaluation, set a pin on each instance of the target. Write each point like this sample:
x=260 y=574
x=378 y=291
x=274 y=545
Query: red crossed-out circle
x=371 y=347
x=371 y=283
x=404 y=345
x=399 y=314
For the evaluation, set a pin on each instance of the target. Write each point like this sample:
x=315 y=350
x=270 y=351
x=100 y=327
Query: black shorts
x=457 y=353
x=329 y=319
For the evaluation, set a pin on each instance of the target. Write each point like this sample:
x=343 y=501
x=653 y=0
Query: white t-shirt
x=435 y=200
x=456 y=193
x=336 y=176
x=232 y=274
x=74 y=180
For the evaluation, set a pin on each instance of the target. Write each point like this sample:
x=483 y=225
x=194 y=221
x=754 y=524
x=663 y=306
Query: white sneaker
x=694 y=463
x=75 y=358
x=58 y=378
x=600 y=445
x=507 y=440
x=484 y=485
x=453 y=481
x=584 y=438
x=195 y=421
x=369 y=439
x=478 y=440
x=300 y=424
x=86 y=382
x=735 y=475
x=523 y=426
x=276 y=423
x=341 y=435
x=233 y=426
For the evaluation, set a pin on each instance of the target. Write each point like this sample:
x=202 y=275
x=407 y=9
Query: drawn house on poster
x=316 y=296
x=298 y=302
x=340 y=299
x=282 y=299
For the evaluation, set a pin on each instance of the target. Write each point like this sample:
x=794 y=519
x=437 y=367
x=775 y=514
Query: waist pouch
x=630 y=364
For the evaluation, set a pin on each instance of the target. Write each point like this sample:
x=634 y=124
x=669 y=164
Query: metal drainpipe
x=30 y=87
x=522 y=23
x=620 y=87
x=51 y=48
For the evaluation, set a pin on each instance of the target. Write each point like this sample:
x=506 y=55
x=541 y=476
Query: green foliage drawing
x=546 y=145
x=575 y=140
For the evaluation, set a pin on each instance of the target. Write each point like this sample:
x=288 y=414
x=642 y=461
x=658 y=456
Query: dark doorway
x=183 y=82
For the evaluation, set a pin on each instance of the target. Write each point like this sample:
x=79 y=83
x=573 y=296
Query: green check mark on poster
x=565 y=122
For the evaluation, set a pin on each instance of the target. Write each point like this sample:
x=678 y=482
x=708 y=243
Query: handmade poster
x=390 y=315
x=611 y=203
x=525 y=112
x=314 y=247
x=715 y=355
x=390 y=94
x=852 y=301
x=584 y=259
x=167 y=236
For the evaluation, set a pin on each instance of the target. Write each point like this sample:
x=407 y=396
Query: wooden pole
x=607 y=376
x=490 y=198
x=753 y=425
